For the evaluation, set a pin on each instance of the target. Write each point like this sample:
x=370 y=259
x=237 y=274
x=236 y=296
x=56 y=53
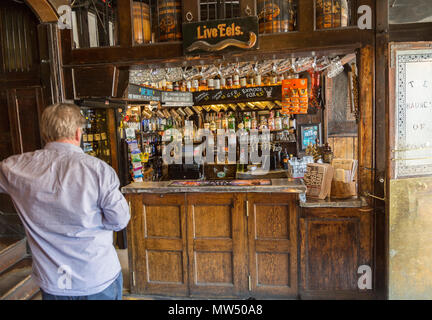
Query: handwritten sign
x=413 y=113
x=238 y=95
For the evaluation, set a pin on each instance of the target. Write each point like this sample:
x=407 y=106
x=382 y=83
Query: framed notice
x=309 y=134
x=411 y=110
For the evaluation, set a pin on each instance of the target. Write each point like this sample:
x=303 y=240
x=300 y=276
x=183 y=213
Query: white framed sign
x=412 y=112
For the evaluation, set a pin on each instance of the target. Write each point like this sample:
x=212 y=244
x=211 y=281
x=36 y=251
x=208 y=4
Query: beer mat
x=255 y=182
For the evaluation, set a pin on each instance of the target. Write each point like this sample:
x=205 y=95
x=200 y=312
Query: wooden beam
x=366 y=125
x=170 y=51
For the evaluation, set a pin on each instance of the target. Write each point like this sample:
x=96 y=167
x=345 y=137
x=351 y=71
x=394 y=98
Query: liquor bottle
x=217 y=83
x=247 y=121
x=250 y=81
x=285 y=122
x=176 y=86
x=254 y=121
x=195 y=85
x=169 y=86
x=188 y=86
x=243 y=82
x=219 y=121
x=263 y=123
x=257 y=80
x=203 y=85
x=271 y=122
x=232 y=121
x=213 y=124
x=211 y=85
x=236 y=81
x=183 y=86
x=229 y=83
x=225 y=122
x=207 y=122
x=278 y=122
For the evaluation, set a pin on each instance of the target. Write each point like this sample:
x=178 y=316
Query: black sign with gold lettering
x=220 y=35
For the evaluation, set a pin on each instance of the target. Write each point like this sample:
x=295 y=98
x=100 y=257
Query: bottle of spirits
x=229 y=83
x=263 y=123
x=207 y=122
x=254 y=121
x=213 y=124
x=225 y=122
x=211 y=85
x=219 y=121
x=236 y=81
x=278 y=122
x=271 y=122
x=195 y=85
x=203 y=85
x=285 y=122
x=257 y=80
x=247 y=121
x=232 y=122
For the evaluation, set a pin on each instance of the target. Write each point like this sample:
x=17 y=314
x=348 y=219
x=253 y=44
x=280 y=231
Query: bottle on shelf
x=271 y=122
x=225 y=122
x=278 y=122
x=254 y=121
x=213 y=124
x=247 y=121
x=232 y=121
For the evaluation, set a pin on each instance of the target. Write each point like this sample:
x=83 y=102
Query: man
x=70 y=204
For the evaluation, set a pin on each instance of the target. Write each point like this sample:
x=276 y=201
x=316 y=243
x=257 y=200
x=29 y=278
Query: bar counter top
x=277 y=186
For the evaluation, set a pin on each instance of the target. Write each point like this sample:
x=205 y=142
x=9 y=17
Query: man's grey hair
x=60 y=121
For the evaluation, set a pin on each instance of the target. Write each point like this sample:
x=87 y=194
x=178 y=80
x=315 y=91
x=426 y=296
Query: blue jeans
x=113 y=292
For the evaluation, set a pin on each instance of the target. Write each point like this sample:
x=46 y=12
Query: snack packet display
x=294 y=96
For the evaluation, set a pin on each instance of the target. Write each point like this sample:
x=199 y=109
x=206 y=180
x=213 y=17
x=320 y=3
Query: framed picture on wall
x=308 y=133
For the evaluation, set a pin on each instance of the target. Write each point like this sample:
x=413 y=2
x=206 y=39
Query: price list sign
x=412 y=154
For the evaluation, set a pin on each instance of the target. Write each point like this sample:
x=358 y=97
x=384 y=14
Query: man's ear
x=78 y=133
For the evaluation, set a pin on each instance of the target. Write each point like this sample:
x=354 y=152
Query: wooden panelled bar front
x=240 y=242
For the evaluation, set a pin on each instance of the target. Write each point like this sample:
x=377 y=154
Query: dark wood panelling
x=333 y=244
x=93 y=82
x=157 y=245
x=216 y=244
x=25 y=106
x=272 y=241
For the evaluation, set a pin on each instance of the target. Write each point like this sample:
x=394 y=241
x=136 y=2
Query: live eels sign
x=220 y=35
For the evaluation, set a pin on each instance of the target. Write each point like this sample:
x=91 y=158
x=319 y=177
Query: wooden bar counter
x=231 y=241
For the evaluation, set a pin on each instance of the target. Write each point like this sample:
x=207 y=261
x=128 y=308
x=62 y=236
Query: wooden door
x=272 y=235
x=334 y=243
x=25 y=106
x=157 y=242
x=217 y=244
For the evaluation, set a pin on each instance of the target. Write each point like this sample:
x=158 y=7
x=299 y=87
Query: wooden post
x=366 y=125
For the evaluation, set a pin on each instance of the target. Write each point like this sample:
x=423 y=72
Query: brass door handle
x=368 y=194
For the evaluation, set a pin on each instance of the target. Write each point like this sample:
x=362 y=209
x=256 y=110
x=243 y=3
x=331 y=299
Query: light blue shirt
x=70 y=204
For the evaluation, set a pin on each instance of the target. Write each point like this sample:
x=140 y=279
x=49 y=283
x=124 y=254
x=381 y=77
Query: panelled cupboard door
x=217 y=244
x=334 y=243
x=157 y=238
x=272 y=235
x=25 y=106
